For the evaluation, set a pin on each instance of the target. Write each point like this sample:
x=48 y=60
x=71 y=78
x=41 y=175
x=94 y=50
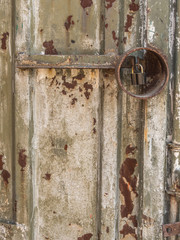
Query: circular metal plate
x=156 y=68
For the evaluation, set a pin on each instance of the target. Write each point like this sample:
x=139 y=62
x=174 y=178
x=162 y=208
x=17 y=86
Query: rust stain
x=74 y=100
x=64 y=92
x=94 y=121
x=126 y=182
x=130 y=150
x=86 y=3
x=80 y=89
x=128 y=23
x=127 y=230
x=5 y=175
x=47 y=176
x=134 y=220
x=147 y=219
x=80 y=76
x=3 y=40
x=106 y=25
x=87 y=87
x=68 y=22
x=107 y=229
x=87 y=236
x=50 y=50
x=69 y=85
x=66 y=147
x=109 y=3
x=22 y=159
x=125 y=40
x=94 y=130
x=133 y=6
x=115 y=38
x=1 y=162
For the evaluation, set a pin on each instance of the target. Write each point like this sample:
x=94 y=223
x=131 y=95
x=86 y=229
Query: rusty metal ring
x=163 y=81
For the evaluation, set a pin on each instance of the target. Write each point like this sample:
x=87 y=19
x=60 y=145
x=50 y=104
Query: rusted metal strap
x=174 y=146
x=71 y=61
x=171 y=229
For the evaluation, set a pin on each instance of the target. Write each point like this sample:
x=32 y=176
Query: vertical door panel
x=6 y=138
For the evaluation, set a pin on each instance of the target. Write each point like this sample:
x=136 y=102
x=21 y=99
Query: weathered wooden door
x=79 y=158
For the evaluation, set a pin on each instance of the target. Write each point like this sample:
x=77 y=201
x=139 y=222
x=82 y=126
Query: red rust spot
x=1 y=162
x=50 y=50
x=74 y=100
x=110 y=3
x=87 y=236
x=47 y=176
x=68 y=22
x=125 y=40
x=94 y=130
x=80 y=89
x=66 y=147
x=106 y=25
x=133 y=6
x=94 y=121
x=130 y=149
x=86 y=3
x=128 y=230
x=147 y=219
x=116 y=39
x=80 y=76
x=87 y=88
x=69 y=85
x=126 y=181
x=134 y=220
x=3 y=40
x=64 y=92
x=128 y=23
x=22 y=159
x=107 y=229
x=5 y=175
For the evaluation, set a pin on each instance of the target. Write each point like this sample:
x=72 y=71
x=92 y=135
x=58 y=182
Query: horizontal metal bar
x=70 y=61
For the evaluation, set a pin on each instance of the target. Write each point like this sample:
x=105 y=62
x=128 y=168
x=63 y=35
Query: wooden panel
x=65 y=153
x=6 y=109
x=155 y=132
x=63 y=27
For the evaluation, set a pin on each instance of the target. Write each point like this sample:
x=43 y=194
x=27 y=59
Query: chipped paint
x=22 y=160
x=88 y=89
x=133 y=6
x=87 y=236
x=127 y=184
x=109 y=3
x=86 y=3
x=5 y=175
x=49 y=48
x=4 y=40
x=69 y=22
x=128 y=23
x=47 y=176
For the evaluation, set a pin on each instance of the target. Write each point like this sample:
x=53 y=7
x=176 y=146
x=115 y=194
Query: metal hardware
x=138 y=78
x=71 y=61
x=158 y=79
x=172 y=229
x=175 y=147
